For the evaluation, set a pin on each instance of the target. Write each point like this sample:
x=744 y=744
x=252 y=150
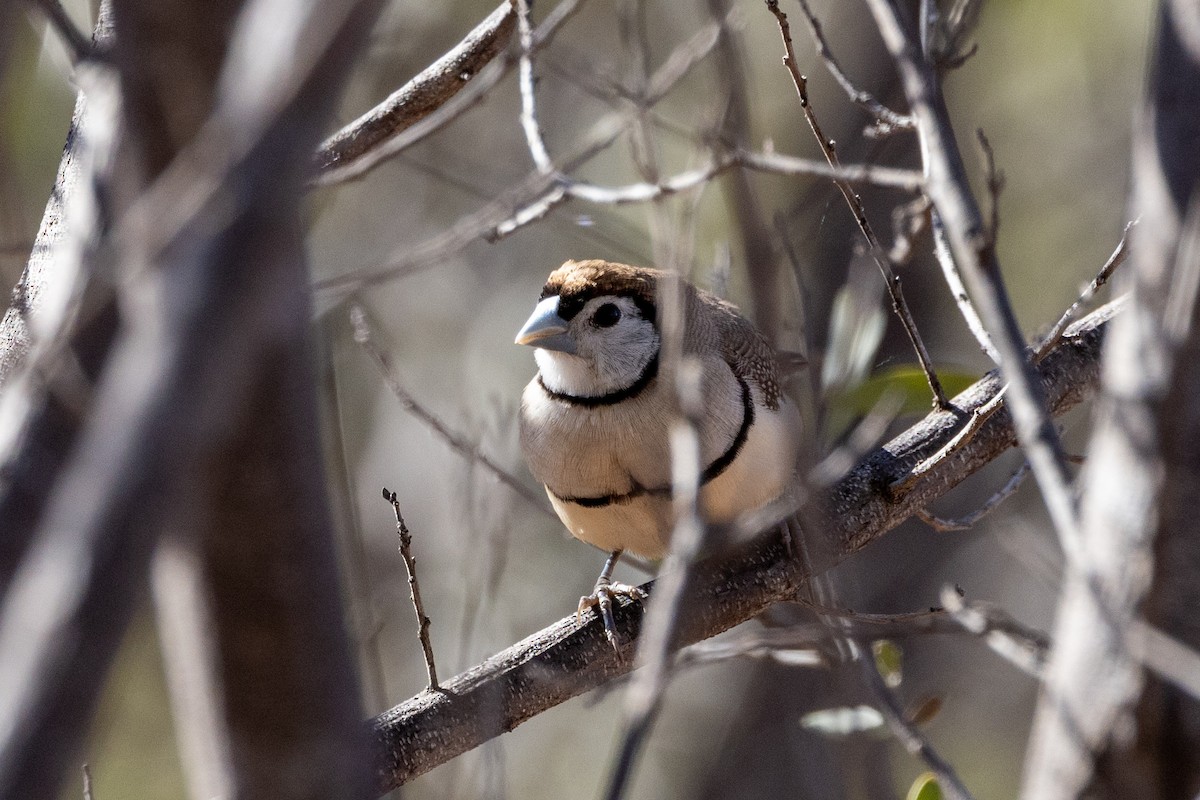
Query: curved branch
x=422 y=95
x=565 y=659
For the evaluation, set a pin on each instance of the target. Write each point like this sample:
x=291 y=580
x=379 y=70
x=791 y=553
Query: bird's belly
x=640 y=525
x=762 y=470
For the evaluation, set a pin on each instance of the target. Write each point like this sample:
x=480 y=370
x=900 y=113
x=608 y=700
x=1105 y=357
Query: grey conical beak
x=546 y=329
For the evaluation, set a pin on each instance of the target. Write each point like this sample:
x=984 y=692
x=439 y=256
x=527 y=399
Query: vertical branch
x=204 y=394
x=1115 y=732
x=975 y=254
x=657 y=644
x=529 y=120
x=414 y=588
x=186 y=633
x=890 y=278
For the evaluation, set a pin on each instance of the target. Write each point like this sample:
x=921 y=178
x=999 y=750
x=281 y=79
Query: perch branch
x=565 y=659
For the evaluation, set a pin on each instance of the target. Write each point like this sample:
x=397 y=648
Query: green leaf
x=889 y=660
x=925 y=787
x=908 y=381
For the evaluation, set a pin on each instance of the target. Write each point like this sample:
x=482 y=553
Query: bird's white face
x=604 y=347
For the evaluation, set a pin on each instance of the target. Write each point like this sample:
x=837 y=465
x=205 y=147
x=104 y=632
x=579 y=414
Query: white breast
x=611 y=449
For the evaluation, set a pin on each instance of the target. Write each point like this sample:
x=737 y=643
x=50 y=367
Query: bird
x=594 y=420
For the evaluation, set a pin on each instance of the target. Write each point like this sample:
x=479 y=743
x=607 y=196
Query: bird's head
x=594 y=327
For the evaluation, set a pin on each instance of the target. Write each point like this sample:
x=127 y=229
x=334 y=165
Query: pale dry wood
x=1116 y=732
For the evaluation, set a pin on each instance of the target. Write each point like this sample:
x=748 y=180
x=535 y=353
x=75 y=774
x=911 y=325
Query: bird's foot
x=603 y=597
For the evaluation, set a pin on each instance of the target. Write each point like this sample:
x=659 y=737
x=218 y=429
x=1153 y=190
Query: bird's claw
x=603 y=598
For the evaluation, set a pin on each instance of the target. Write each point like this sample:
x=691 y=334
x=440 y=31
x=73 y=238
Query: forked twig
x=966 y=523
x=410 y=566
x=982 y=414
x=891 y=279
x=886 y=120
x=1115 y=260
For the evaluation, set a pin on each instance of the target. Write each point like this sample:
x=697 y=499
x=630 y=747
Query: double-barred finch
x=595 y=419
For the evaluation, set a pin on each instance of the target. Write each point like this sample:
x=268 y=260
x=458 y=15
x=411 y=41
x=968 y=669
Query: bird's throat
x=576 y=384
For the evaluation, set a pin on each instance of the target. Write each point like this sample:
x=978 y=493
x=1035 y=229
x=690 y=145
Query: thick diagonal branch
x=565 y=660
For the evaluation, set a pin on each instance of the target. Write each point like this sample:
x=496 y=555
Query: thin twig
x=977 y=418
x=886 y=120
x=1025 y=647
x=414 y=589
x=970 y=315
x=460 y=444
x=966 y=523
x=529 y=121
x=949 y=189
x=1115 y=260
x=891 y=279
x=568 y=189
x=995 y=185
x=87 y=783
x=905 y=731
x=540 y=194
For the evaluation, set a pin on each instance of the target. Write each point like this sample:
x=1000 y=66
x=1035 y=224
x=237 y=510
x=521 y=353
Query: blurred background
x=1053 y=85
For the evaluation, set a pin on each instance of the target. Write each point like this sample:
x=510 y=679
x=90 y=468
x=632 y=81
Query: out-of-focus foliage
x=1053 y=85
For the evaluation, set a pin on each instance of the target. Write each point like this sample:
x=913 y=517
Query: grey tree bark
x=1103 y=727
x=201 y=412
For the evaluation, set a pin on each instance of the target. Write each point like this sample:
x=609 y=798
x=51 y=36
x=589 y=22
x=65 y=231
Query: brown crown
x=576 y=282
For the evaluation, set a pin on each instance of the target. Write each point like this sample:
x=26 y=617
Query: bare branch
x=1028 y=649
x=643 y=697
x=1115 y=260
x=886 y=120
x=909 y=735
x=421 y=91
x=1116 y=731
x=966 y=523
x=421 y=96
x=949 y=189
x=459 y=443
x=565 y=660
x=414 y=589
x=539 y=195
x=183 y=366
x=77 y=44
x=529 y=121
x=878 y=254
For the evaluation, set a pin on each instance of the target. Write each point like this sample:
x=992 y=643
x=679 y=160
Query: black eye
x=606 y=316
